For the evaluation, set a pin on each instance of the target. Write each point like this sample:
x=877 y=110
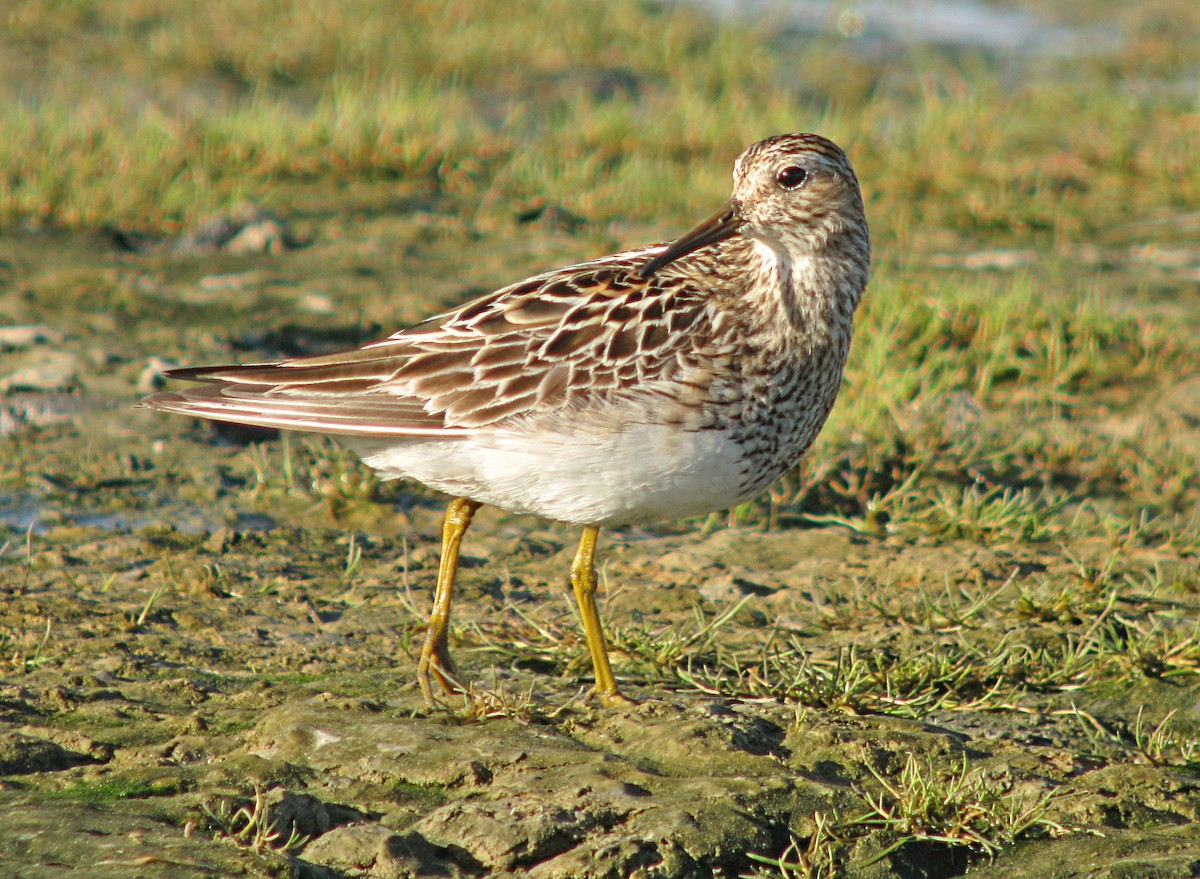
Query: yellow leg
x=435 y=653
x=583 y=581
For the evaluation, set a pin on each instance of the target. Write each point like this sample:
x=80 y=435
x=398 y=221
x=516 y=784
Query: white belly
x=641 y=474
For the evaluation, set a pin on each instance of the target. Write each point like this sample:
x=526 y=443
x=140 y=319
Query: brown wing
x=552 y=341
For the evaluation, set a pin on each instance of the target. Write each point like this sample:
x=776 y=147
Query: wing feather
x=541 y=344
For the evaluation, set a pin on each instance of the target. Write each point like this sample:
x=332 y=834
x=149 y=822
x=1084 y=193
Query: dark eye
x=791 y=176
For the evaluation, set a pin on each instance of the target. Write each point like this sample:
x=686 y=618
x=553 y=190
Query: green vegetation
x=617 y=110
x=955 y=810
x=249 y=825
x=109 y=790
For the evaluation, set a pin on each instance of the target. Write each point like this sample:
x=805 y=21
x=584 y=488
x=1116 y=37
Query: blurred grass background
x=149 y=113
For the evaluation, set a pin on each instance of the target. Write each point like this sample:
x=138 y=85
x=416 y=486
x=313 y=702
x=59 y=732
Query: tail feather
x=344 y=414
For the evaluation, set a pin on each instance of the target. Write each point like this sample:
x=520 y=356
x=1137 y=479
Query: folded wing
x=555 y=340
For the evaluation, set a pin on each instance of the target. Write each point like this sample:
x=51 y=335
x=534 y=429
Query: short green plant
x=957 y=808
x=961 y=808
x=249 y=825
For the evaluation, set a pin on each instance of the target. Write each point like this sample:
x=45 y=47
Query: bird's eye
x=791 y=177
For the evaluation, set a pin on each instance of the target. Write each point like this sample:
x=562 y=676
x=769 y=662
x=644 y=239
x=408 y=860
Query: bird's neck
x=806 y=299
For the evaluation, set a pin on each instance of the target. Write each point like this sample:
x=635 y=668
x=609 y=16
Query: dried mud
x=180 y=638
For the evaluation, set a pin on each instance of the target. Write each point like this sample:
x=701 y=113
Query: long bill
x=718 y=227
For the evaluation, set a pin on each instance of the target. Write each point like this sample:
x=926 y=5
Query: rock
x=62 y=838
x=307 y=815
x=153 y=375
x=21 y=754
x=685 y=787
x=20 y=337
x=378 y=851
x=246 y=228
x=732 y=586
x=52 y=371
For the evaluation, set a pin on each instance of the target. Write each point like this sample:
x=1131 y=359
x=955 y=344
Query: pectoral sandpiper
x=667 y=381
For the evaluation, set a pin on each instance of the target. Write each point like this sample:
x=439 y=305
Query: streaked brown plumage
x=661 y=382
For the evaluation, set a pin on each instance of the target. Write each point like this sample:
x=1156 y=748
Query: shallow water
x=947 y=24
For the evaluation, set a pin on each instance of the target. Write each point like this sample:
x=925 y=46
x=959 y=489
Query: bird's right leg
x=435 y=652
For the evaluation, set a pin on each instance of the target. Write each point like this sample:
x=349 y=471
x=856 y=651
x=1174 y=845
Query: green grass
x=905 y=648
x=951 y=809
x=249 y=824
x=110 y=790
x=620 y=111
x=983 y=409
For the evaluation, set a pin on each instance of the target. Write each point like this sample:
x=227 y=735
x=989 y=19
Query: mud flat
x=208 y=656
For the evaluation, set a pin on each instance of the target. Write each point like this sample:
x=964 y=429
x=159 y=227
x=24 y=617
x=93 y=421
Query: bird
x=662 y=382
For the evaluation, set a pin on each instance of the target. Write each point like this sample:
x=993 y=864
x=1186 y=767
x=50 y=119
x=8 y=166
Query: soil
x=193 y=626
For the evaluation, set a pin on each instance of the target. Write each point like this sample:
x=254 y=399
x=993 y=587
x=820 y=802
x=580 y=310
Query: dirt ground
x=208 y=647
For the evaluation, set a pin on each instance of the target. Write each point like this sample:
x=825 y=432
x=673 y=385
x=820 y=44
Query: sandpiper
x=667 y=381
